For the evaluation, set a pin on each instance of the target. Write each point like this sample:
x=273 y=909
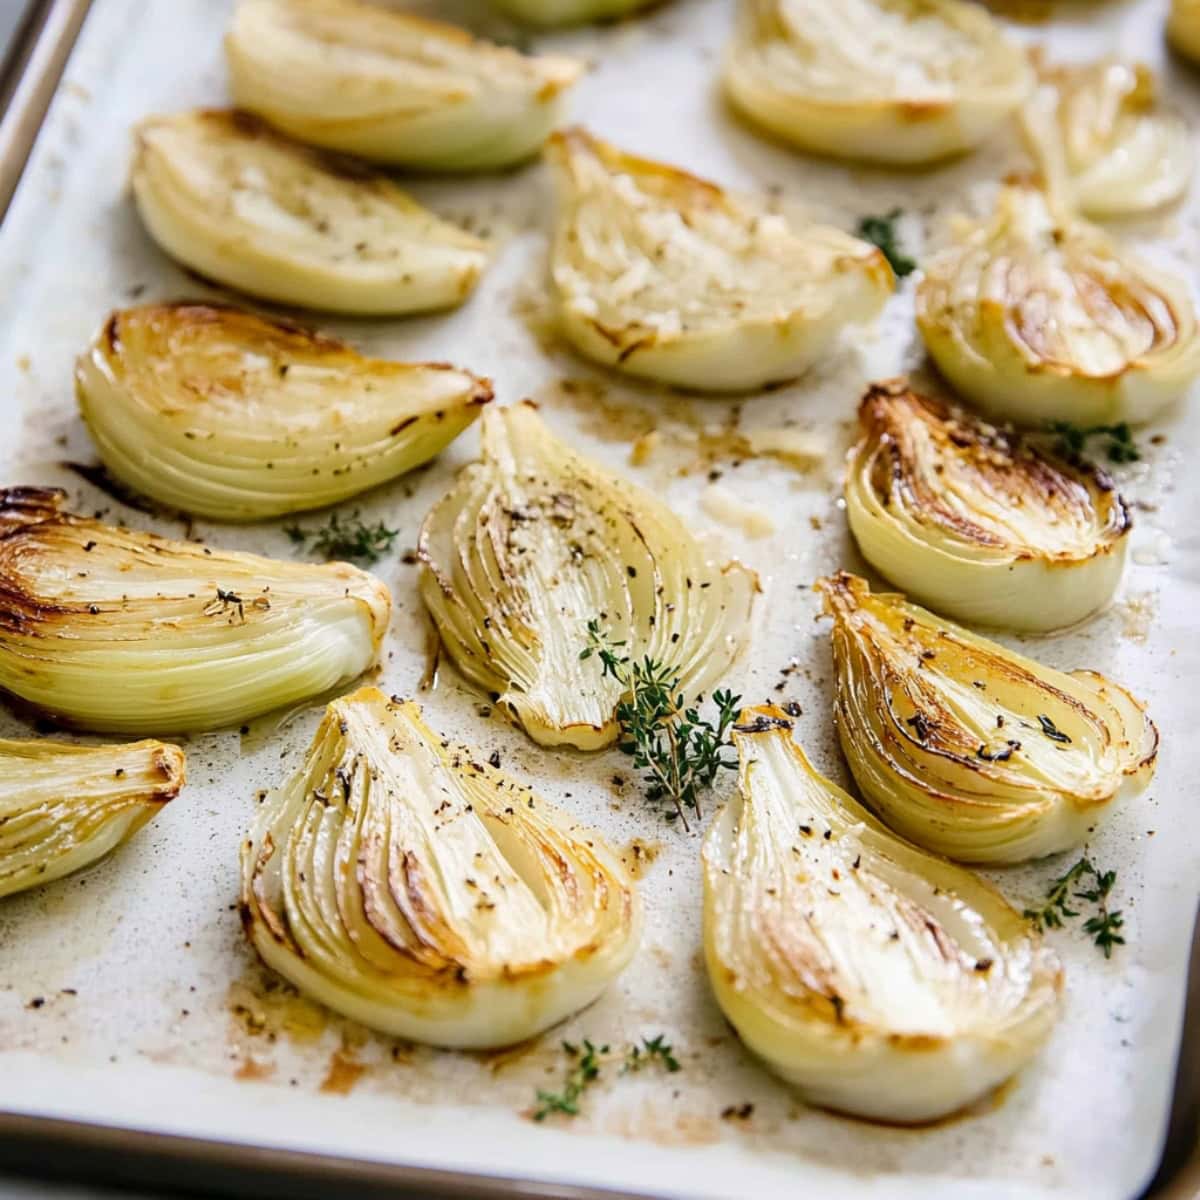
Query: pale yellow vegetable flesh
x=64 y=807
x=227 y=197
x=392 y=87
x=222 y=413
x=977 y=522
x=878 y=979
x=120 y=631
x=533 y=543
x=409 y=886
x=664 y=276
x=900 y=82
x=1036 y=316
x=968 y=748
x=1105 y=145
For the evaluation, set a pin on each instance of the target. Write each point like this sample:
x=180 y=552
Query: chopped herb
x=584 y=1071
x=1103 y=926
x=586 y=1063
x=881 y=232
x=346 y=538
x=1001 y=755
x=1072 y=440
x=655 y=1049
x=680 y=752
x=1051 y=730
x=226 y=602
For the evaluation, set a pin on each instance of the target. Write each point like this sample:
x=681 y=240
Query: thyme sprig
x=586 y=1061
x=346 y=538
x=652 y=1050
x=881 y=231
x=679 y=751
x=1073 y=439
x=1104 y=925
x=583 y=1072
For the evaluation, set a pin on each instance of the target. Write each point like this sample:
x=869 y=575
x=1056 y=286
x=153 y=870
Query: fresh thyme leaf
x=655 y=1049
x=584 y=1071
x=587 y=1060
x=1103 y=929
x=1050 y=914
x=679 y=752
x=1104 y=926
x=881 y=231
x=1072 y=440
x=347 y=537
x=1051 y=730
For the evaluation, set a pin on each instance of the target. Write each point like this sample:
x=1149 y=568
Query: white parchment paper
x=127 y=995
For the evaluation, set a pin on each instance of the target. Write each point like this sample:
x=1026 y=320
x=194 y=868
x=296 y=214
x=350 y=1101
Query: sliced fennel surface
x=1036 y=316
x=405 y=884
x=534 y=542
x=223 y=194
x=977 y=522
x=393 y=87
x=1104 y=143
x=663 y=275
x=64 y=807
x=878 y=979
x=901 y=82
x=121 y=631
x=225 y=414
x=968 y=748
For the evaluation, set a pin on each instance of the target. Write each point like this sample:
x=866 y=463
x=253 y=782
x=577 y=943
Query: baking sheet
x=127 y=995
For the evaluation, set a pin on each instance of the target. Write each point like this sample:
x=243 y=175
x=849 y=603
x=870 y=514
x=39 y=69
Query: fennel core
x=680 y=752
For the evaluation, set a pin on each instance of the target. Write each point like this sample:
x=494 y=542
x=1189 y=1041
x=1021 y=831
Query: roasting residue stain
x=506 y=1056
x=687 y=440
x=252 y=1069
x=605 y=418
x=268 y=1008
x=651 y=1121
x=343 y=1074
x=639 y=856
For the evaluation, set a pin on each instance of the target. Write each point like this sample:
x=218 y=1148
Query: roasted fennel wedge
x=121 y=631
x=977 y=522
x=533 y=543
x=223 y=194
x=879 y=980
x=968 y=748
x=392 y=87
x=407 y=885
x=1039 y=317
x=903 y=82
x=665 y=276
x=64 y=807
x=224 y=414
x=1104 y=143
